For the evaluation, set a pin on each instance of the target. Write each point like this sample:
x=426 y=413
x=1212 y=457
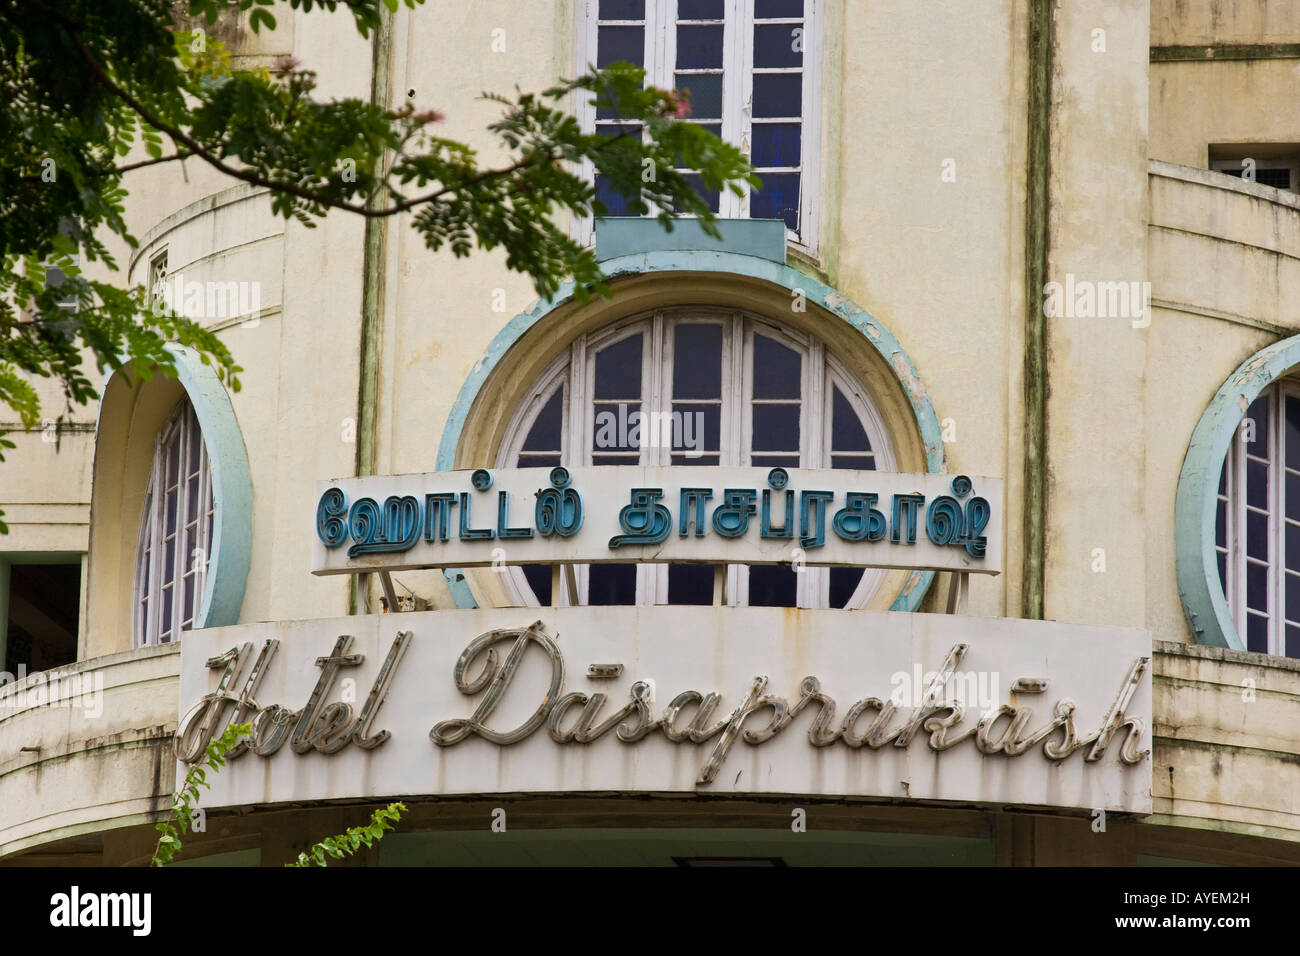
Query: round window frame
x=733 y=279
x=1196 y=565
x=836 y=375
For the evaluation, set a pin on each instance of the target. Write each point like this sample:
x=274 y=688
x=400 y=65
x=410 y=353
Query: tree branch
x=72 y=29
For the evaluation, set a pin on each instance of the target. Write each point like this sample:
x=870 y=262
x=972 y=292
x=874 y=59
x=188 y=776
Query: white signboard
x=683 y=514
x=675 y=699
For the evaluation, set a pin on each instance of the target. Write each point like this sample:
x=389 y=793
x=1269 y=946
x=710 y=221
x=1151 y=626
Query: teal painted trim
x=630 y=236
x=231 y=548
x=778 y=274
x=232 y=491
x=1204 y=604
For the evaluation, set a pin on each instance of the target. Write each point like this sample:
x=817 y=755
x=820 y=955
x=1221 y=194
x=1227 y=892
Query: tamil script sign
x=675 y=699
x=686 y=514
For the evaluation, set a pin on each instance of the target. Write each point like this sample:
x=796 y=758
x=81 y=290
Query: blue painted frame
x=231 y=549
x=732 y=264
x=1204 y=603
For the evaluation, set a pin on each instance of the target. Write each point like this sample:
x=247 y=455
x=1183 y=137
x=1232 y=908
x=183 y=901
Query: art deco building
x=1051 y=247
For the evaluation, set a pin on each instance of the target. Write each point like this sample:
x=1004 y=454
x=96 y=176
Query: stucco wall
x=98 y=757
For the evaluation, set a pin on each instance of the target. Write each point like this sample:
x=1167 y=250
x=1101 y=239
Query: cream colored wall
x=1196 y=104
x=1206 y=22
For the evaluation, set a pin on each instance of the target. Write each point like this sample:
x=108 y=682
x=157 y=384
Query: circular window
x=698 y=386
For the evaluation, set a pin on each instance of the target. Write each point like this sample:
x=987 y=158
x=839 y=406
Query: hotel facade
x=938 y=513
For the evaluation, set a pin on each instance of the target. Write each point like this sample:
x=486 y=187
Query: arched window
x=175 y=532
x=699 y=386
x=1257 y=526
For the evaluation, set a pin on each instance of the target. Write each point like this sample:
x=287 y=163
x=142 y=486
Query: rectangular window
x=750 y=68
x=158 y=281
x=40 y=611
x=1269 y=164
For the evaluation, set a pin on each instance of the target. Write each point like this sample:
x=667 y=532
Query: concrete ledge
x=628 y=236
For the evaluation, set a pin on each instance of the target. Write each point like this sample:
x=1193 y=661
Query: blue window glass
x=775 y=144
x=777 y=199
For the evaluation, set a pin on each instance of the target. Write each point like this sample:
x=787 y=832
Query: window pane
x=701 y=9
x=1293 y=432
x=778 y=45
x=695 y=460
x=1221 y=524
x=1223 y=478
x=1292 y=648
x=611 y=584
x=1257 y=484
x=195 y=442
x=774 y=461
x=860 y=462
x=1258 y=413
x=690 y=584
x=705 y=93
x=618 y=370
x=189 y=589
x=1223 y=571
x=697 y=361
x=614 y=44
x=613 y=203
x=778 y=94
x=529 y=460
x=622 y=9
x=1293 y=497
x=1257 y=634
x=772 y=585
x=776 y=428
x=1292 y=546
x=777 y=371
x=775 y=144
x=696 y=428
x=1257 y=535
x=166 y=625
x=772 y=9
x=1292 y=608
x=1257 y=587
x=847 y=433
x=778 y=199
x=710 y=195
x=844 y=581
x=617 y=427
x=539 y=579
x=699 y=47
x=545 y=433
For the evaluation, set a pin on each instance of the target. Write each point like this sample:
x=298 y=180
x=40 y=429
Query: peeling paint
x=907 y=375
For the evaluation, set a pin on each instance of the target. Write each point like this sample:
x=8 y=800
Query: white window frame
x=1237 y=561
x=660 y=60
x=1235 y=166
x=152 y=573
x=573 y=371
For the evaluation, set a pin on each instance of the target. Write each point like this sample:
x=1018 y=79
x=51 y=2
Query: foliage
x=348 y=842
x=85 y=84
x=184 y=800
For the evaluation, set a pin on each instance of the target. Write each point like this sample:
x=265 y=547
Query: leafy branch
x=348 y=842
x=185 y=799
